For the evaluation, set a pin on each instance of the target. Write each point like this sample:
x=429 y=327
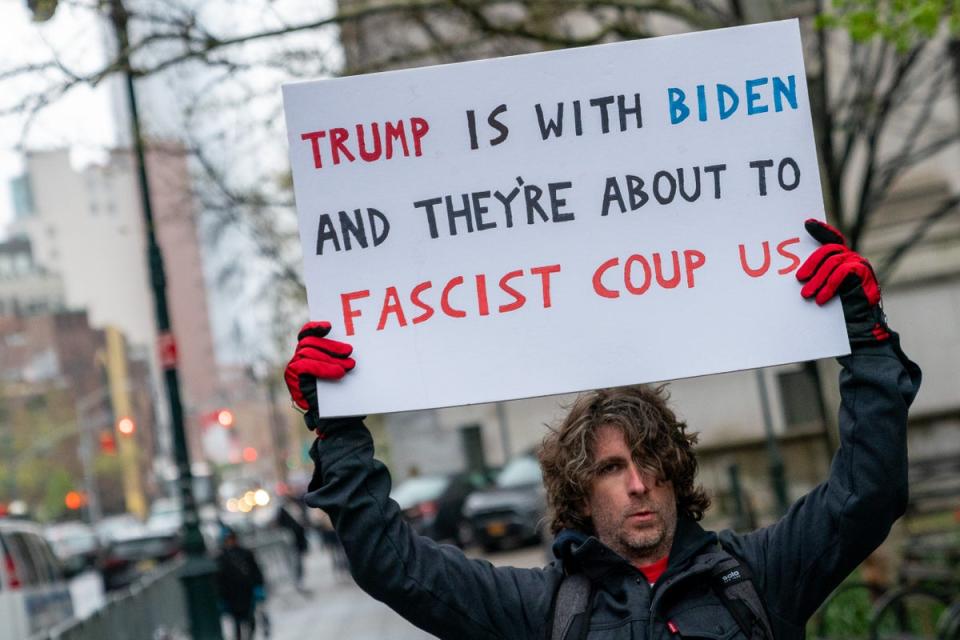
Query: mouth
x=641 y=516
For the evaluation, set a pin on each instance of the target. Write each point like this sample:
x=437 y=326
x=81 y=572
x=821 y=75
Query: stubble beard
x=644 y=545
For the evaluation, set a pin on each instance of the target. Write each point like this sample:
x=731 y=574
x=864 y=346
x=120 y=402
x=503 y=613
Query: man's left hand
x=835 y=269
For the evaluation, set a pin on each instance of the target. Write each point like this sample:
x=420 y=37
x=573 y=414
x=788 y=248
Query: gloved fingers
x=314 y=329
x=312 y=368
x=326 y=369
x=322 y=356
x=326 y=345
x=844 y=279
x=823 y=232
x=815 y=259
x=820 y=276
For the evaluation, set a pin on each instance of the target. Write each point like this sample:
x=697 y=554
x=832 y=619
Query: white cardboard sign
x=561 y=221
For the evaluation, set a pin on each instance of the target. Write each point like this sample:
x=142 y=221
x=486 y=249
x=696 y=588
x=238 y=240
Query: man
x=287 y=520
x=240 y=584
x=620 y=478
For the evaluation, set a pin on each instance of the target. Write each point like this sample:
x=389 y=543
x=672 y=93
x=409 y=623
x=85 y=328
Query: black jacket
x=796 y=562
x=238 y=573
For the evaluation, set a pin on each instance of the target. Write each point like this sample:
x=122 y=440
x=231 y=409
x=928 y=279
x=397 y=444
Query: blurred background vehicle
x=118 y=526
x=512 y=512
x=76 y=546
x=433 y=505
x=166 y=519
x=127 y=558
x=34 y=597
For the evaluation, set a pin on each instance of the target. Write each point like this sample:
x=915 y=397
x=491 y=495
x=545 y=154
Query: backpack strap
x=569 y=617
x=733 y=583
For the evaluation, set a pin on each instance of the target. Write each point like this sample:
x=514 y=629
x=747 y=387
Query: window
x=800 y=397
x=16 y=544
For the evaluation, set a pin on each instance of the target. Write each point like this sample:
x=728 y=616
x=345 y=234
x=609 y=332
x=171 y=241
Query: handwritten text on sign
x=556 y=222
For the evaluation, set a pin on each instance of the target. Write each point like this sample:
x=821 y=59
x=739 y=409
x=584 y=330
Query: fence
x=153 y=608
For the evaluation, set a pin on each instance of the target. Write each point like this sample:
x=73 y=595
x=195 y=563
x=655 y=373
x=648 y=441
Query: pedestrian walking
x=240 y=584
x=620 y=475
x=288 y=520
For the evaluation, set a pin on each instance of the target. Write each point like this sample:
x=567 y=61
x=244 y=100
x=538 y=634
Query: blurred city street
x=336 y=608
x=330 y=606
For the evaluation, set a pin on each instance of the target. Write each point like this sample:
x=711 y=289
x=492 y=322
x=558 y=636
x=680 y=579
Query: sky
x=56 y=125
x=83 y=40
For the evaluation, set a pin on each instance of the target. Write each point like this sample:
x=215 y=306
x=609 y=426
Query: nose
x=637 y=479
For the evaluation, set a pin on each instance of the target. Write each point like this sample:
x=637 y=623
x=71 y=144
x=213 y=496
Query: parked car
x=126 y=559
x=166 y=518
x=34 y=597
x=512 y=512
x=123 y=525
x=75 y=544
x=433 y=505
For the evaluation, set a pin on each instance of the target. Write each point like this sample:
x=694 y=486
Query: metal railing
x=153 y=607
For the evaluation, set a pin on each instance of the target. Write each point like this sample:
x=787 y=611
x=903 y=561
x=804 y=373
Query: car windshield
x=420 y=489
x=520 y=471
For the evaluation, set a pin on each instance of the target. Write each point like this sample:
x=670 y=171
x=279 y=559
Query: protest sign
x=561 y=221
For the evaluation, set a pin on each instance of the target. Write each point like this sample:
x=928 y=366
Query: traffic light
x=225 y=418
x=249 y=454
x=108 y=444
x=74 y=500
x=42 y=10
x=126 y=426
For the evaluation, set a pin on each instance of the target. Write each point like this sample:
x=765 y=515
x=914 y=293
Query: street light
x=225 y=418
x=126 y=426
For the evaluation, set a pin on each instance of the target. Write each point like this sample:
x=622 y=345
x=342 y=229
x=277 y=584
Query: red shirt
x=654 y=570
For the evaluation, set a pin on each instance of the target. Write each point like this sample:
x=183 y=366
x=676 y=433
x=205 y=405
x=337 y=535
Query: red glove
x=835 y=269
x=316 y=358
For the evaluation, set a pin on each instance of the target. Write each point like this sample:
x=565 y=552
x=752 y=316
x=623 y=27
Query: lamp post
x=198 y=571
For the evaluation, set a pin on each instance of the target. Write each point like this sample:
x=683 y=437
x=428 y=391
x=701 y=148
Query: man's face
x=633 y=513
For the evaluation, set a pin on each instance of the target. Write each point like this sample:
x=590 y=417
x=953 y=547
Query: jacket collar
x=580 y=552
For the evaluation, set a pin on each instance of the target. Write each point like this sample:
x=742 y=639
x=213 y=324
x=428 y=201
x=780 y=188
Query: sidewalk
x=337 y=609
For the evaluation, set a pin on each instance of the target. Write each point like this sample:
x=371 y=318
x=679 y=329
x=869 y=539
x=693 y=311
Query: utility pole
x=197 y=575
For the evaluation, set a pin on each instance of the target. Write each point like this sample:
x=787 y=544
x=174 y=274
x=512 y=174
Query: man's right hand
x=316 y=358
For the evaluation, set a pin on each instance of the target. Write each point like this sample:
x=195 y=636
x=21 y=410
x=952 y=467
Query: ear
x=585 y=509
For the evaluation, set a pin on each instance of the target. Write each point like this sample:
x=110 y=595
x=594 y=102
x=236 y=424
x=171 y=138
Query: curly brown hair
x=659 y=442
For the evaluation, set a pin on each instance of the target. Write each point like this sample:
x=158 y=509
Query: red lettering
x=518 y=298
x=628 y=274
x=391 y=304
x=692 y=260
x=338 y=136
x=482 y=295
x=415 y=299
x=348 y=312
x=598 y=274
x=658 y=271
x=544 y=273
x=755 y=273
x=314 y=138
x=396 y=132
x=794 y=258
x=445 y=298
x=369 y=156
x=420 y=129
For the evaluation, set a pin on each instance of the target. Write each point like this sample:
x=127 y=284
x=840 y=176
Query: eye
x=608 y=467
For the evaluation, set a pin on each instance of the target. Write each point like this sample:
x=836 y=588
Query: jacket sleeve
x=824 y=536
x=436 y=587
